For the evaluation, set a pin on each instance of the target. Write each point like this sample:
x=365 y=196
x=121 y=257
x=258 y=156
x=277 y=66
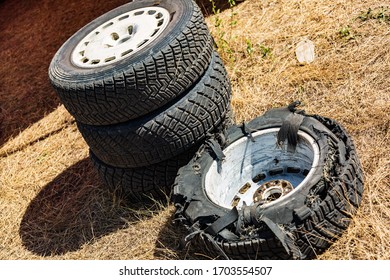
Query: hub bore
x=272 y=190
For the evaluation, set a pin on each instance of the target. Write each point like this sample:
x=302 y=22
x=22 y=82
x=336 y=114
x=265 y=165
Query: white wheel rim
x=261 y=166
x=120 y=37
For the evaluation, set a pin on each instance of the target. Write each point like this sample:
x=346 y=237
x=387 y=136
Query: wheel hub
x=272 y=190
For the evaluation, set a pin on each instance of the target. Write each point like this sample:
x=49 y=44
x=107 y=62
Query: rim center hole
x=272 y=194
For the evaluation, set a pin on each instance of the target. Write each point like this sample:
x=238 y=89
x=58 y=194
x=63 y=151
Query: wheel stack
x=151 y=98
x=145 y=87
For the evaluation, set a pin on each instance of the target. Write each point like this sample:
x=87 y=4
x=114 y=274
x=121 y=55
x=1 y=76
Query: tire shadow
x=207 y=6
x=170 y=244
x=72 y=210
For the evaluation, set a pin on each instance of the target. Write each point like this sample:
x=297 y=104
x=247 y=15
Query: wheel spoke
x=245 y=194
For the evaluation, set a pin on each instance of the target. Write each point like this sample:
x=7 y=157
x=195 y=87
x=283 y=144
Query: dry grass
x=53 y=205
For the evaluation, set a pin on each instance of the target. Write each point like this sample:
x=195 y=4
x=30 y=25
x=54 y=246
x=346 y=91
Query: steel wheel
x=254 y=172
x=120 y=37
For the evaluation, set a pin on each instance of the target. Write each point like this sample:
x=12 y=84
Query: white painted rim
x=120 y=37
x=249 y=165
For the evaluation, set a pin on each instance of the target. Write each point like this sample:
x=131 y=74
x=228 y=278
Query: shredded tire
x=298 y=225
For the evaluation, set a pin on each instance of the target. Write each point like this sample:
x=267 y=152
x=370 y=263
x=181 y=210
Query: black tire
x=301 y=224
x=149 y=182
x=169 y=131
x=141 y=82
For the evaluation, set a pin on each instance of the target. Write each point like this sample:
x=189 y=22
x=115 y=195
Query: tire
x=139 y=184
x=297 y=202
x=141 y=81
x=169 y=131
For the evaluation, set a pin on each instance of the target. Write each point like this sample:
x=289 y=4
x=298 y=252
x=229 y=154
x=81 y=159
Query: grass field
x=52 y=203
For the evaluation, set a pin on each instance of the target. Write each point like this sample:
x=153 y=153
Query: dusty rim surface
x=52 y=203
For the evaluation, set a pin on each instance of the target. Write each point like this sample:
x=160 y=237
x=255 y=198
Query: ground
x=54 y=206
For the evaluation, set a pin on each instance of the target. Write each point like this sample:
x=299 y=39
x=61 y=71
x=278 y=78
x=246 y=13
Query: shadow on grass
x=170 y=244
x=31 y=32
x=207 y=6
x=72 y=210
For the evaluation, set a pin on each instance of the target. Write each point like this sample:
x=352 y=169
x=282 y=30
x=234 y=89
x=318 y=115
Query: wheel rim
x=261 y=172
x=120 y=37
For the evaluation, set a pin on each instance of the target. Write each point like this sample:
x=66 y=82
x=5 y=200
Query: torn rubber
x=285 y=222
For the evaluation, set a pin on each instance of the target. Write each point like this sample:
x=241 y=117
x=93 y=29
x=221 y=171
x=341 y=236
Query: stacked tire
x=145 y=87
